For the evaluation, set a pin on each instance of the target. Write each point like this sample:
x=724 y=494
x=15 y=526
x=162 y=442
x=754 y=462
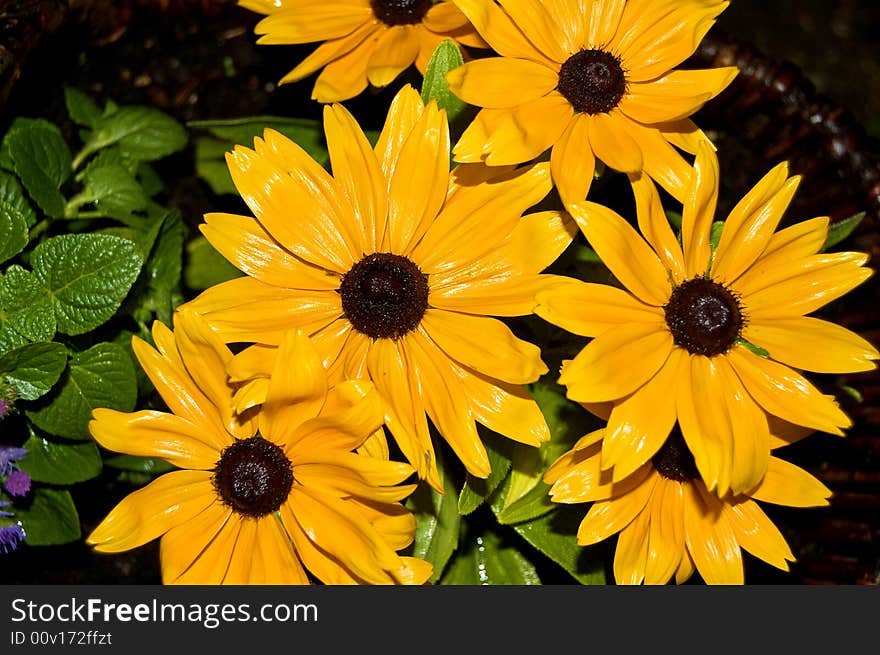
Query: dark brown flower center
x=593 y=81
x=674 y=461
x=253 y=476
x=705 y=318
x=384 y=295
x=400 y=12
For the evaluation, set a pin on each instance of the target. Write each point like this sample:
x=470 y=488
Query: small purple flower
x=10 y=537
x=8 y=455
x=3 y=513
x=18 y=483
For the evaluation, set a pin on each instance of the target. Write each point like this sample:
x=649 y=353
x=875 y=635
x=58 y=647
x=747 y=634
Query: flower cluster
x=16 y=483
x=375 y=299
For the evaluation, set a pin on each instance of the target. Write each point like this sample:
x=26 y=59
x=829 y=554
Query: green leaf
x=13 y=231
x=114 y=192
x=534 y=503
x=164 y=267
x=42 y=160
x=25 y=305
x=568 y=421
x=102 y=376
x=437 y=522
x=476 y=490
x=840 y=230
x=87 y=276
x=305 y=132
x=50 y=518
x=34 y=368
x=715 y=235
x=488 y=561
x=56 y=462
x=204 y=267
x=152 y=465
x=11 y=194
x=211 y=164
x=140 y=133
x=446 y=56
x=526 y=468
x=555 y=535
x=80 y=107
x=748 y=345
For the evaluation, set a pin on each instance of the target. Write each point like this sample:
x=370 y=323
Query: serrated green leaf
x=840 y=230
x=437 y=522
x=140 y=133
x=534 y=503
x=57 y=462
x=486 y=560
x=151 y=465
x=50 y=518
x=81 y=109
x=87 y=276
x=308 y=134
x=446 y=57
x=13 y=231
x=555 y=535
x=34 y=368
x=204 y=267
x=102 y=376
x=25 y=305
x=13 y=195
x=114 y=192
x=476 y=490
x=42 y=161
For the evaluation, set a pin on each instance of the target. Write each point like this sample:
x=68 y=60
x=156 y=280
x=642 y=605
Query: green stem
x=38 y=229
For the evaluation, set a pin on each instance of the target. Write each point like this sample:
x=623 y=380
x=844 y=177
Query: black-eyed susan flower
x=669 y=524
x=591 y=79
x=267 y=499
x=394 y=267
x=711 y=337
x=364 y=41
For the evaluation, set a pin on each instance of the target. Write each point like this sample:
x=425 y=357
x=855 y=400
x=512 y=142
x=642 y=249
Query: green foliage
x=206 y=267
x=488 y=560
x=49 y=518
x=445 y=57
x=840 y=230
x=56 y=462
x=31 y=370
x=476 y=490
x=42 y=160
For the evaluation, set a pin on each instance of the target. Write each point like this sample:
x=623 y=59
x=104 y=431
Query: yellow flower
x=363 y=40
x=669 y=523
x=393 y=266
x=591 y=79
x=262 y=500
x=708 y=336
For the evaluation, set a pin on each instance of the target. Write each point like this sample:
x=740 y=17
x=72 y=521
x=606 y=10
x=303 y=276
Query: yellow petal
x=666 y=535
x=418 y=185
x=757 y=534
x=297 y=388
x=151 y=511
x=403 y=114
x=527 y=130
x=447 y=405
x=328 y=52
x=245 y=309
x=675 y=95
x=212 y=565
x=604 y=19
x=445 y=17
x=655 y=228
x=316 y=21
x=346 y=76
x=624 y=252
x=274 y=561
x=660 y=161
x=470 y=147
x=149 y=433
x=501 y=82
x=244 y=242
x=742 y=241
x=790 y=485
x=572 y=161
x=786 y=394
x=478 y=219
x=189 y=541
x=631 y=553
x=641 y=422
x=395 y=50
x=589 y=309
x=502 y=295
x=617 y=362
x=710 y=539
x=536 y=22
x=608 y=517
x=812 y=344
x=484 y=344
x=242 y=557
x=698 y=211
x=500 y=30
x=569 y=23
x=356 y=170
x=611 y=142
